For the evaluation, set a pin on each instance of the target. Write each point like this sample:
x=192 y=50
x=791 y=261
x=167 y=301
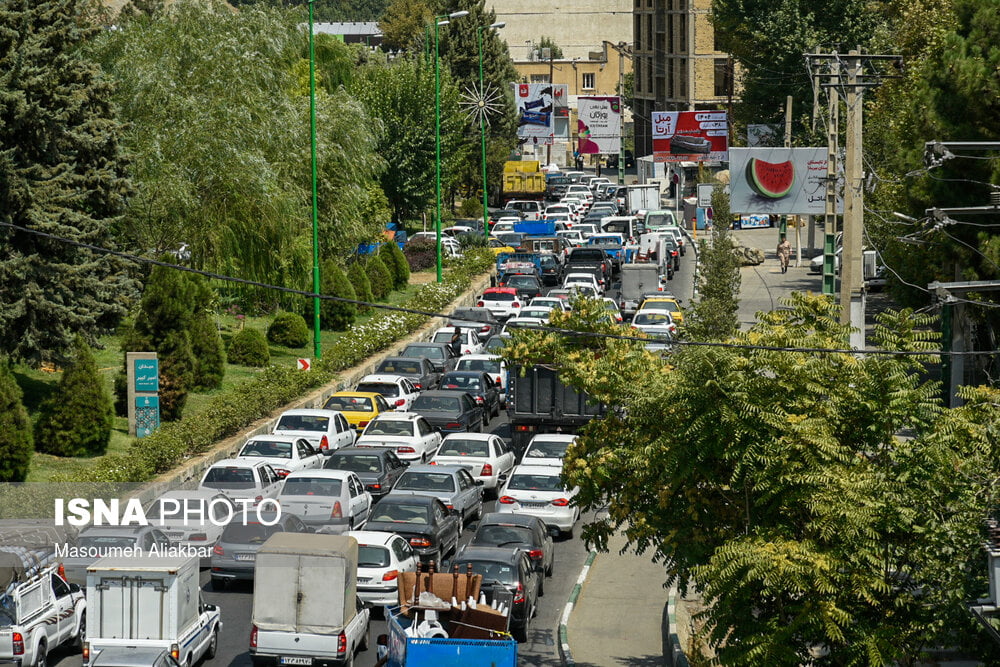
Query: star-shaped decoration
x=480 y=104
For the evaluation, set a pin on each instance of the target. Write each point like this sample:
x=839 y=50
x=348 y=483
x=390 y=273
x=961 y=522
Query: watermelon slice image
x=773 y=180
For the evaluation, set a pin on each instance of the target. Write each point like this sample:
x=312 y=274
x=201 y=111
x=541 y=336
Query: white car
x=573 y=236
x=561 y=219
x=586 y=229
x=612 y=306
x=561 y=209
x=550 y=302
x=581 y=206
x=284 y=453
x=539 y=491
x=504 y=226
x=655 y=321
x=334 y=500
x=486 y=456
x=326 y=430
x=501 y=301
x=471 y=343
x=406 y=433
x=381 y=557
x=547 y=449
x=398 y=391
x=191 y=518
x=449 y=245
x=521 y=322
x=250 y=480
x=535 y=312
x=587 y=279
x=491 y=365
x=580 y=190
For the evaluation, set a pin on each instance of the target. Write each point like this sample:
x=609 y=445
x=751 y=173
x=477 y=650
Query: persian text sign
x=599 y=125
x=535 y=104
x=782 y=181
x=690 y=136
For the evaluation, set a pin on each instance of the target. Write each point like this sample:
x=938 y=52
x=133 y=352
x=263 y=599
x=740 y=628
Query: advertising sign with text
x=535 y=104
x=599 y=125
x=781 y=181
x=690 y=136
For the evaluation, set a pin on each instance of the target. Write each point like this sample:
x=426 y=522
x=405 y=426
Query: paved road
x=541 y=649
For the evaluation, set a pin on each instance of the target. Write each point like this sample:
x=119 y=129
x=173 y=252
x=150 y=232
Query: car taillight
x=561 y=502
x=418 y=386
x=519 y=593
x=324 y=444
x=506 y=500
x=484 y=329
x=487 y=470
x=218 y=550
x=362 y=424
x=400 y=402
x=536 y=554
x=479 y=400
x=342 y=643
x=433 y=463
x=480 y=304
x=499 y=379
x=198 y=537
x=453 y=425
x=375 y=487
x=405 y=450
x=282 y=474
x=338 y=512
x=175 y=651
x=515 y=305
x=419 y=542
x=253 y=636
x=61 y=570
x=84 y=652
x=18 y=642
x=260 y=498
x=391 y=575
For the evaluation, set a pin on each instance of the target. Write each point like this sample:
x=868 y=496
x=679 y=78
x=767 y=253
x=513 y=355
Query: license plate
x=252 y=557
x=534 y=505
x=295 y=660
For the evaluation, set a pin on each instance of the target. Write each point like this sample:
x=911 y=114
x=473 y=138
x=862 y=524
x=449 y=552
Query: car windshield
x=491 y=366
x=311 y=486
x=389 y=389
x=461 y=382
x=303 y=423
x=354 y=463
x=250 y=533
x=526 y=482
x=268 y=449
x=464 y=447
x=389 y=427
x=349 y=403
x=372 y=556
x=229 y=478
x=102 y=542
x=428 y=351
x=437 y=403
x=652 y=318
x=444 y=337
x=495 y=343
x=503 y=535
x=511 y=239
x=546 y=449
x=657 y=220
x=666 y=305
x=492 y=571
x=426 y=481
x=399 y=512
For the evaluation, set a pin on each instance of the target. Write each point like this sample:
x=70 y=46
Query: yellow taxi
x=498 y=246
x=665 y=302
x=358 y=407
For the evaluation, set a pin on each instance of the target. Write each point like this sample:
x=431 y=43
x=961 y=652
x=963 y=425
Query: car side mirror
x=480 y=482
x=74 y=588
x=209 y=607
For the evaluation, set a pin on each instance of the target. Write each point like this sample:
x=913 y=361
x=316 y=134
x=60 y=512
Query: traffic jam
x=424 y=504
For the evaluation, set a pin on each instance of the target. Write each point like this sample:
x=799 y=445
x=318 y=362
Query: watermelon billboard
x=690 y=136
x=598 y=124
x=782 y=181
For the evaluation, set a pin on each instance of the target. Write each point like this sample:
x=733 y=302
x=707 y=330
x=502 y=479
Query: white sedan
x=284 y=453
x=398 y=391
x=471 y=343
x=326 y=430
x=406 y=433
x=539 y=491
x=381 y=557
x=586 y=279
x=486 y=456
x=655 y=322
x=547 y=449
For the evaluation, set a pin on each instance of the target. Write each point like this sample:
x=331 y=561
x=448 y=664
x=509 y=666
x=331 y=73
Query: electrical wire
x=544 y=329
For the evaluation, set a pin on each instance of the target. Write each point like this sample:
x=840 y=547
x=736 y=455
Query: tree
x=781 y=490
x=75 y=420
x=362 y=286
x=379 y=277
x=15 y=429
x=714 y=316
x=404 y=25
x=555 y=51
x=203 y=332
x=62 y=173
x=337 y=315
x=396 y=262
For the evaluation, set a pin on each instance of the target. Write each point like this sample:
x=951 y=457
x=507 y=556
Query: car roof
x=427 y=467
x=396 y=416
x=480 y=357
x=314 y=412
x=361 y=451
x=407 y=498
x=274 y=438
x=114 y=530
x=236 y=463
x=470 y=436
x=127 y=656
x=553 y=437
x=371 y=537
x=327 y=473
x=494 y=518
x=499 y=290
x=497 y=554
x=207 y=494
x=376 y=377
x=445 y=393
x=550 y=471
x=364 y=394
x=463 y=374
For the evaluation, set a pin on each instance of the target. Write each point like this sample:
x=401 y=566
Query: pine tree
x=76 y=418
x=177 y=365
x=715 y=315
x=396 y=262
x=337 y=315
x=362 y=286
x=15 y=430
x=206 y=343
x=61 y=172
x=379 y=277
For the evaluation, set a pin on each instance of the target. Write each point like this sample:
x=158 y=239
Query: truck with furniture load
x=405 y=650
x=523 y=179
x=539 y=402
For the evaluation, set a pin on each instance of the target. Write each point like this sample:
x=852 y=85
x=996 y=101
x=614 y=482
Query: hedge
x=234 y=409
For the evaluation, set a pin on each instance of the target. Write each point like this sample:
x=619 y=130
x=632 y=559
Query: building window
x=539 y=78
x=588 y=80
x=721 y=77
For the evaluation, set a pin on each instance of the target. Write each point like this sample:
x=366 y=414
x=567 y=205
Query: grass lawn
x=38 y=384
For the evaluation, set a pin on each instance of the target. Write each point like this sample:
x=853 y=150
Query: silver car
x=452 y=485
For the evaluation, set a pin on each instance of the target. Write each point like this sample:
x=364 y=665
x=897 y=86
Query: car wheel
x=479 y=512
x=218 y=584
x=213 y=645
x=366 y=639
x=521 y=632
x=41 y=660
x=82 y=633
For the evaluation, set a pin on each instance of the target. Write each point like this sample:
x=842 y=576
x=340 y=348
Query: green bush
x=379 y=277
x=75 y=420
x=471 y=208
x=396 y=262
x=420 y=254
x=15 y=429
x=288 y=329
x=209 y=352
x=337 y=315
x=362 y=286
x=249 y=348
x=177 y=365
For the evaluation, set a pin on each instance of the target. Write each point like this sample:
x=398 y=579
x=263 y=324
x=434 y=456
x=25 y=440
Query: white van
x=529 y=209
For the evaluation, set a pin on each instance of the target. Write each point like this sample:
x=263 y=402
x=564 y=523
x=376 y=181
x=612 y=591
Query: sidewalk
x=620 y=616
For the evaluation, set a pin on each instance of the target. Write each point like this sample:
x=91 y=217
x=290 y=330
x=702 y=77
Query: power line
x=545 y=329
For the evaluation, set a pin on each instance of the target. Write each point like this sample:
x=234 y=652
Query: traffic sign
x=303 y=364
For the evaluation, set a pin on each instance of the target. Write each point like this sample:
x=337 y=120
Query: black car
x=675 y=252
x=508 y=570
x=474 y=316
x=234 y=555
x=451 y=411
x=527 y=286
x=551 y=270
x=629 y=160
x=423 y=521
x=441 y=356
x=378 y=468
x=420 y=371
x=527 y=532
x=555 y=186
x=477 y=384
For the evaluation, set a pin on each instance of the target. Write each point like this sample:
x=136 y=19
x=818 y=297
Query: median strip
x=564 y=650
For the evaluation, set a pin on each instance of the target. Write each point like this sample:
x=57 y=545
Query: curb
x=674 y=649
x=564 y=651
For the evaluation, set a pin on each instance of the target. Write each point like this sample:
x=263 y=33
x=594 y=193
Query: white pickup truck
x=150 y=602
x=39 y=611
x=306 y=609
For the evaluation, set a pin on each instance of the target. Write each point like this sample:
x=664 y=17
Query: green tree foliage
x=248 y=347
x=206 y=343
x=177 y=373
x=358 y=277
x=781 y=490
x=555 y=51
x=714 y=316
x=403 y=26
x=400 y=95
x=61 y=172
x=379 y=277
x=75 y=420
x=235 y=184
x=396 y=262
x=16 y=441
x=337 y=315
x=289 y=330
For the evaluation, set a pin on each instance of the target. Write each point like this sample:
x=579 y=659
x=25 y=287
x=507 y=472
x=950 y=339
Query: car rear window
x=492 y=572
x=303 y=423
x=442 y=337
x=442 y=403
x=426 y=481
x=354 y=463
x=546 y=449
x=229 y=478
x=424 y=351
x=349 y=403
x=251 y=533
x=522 y=281
x=372 y=556
x=311 y=486
x=524 y=482
x=384 y=388
x=503 y=535
x=464 y=447
x=490 y=366
x=460 y=382
x=389 y=427
x=267 y=449
x=498 y=296
x=651 y=318
x=400 y=512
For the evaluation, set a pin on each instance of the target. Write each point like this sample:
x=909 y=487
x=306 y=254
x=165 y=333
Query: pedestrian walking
x=784 y=253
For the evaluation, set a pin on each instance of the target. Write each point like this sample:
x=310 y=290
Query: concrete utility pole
x=788 y=144
x=552 y=114
x=830 y=214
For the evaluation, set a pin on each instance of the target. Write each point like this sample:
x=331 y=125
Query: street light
x=482 y=120
x=439 y=20
x=317 y=348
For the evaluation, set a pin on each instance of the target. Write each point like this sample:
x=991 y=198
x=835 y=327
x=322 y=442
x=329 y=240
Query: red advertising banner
x=690 y=136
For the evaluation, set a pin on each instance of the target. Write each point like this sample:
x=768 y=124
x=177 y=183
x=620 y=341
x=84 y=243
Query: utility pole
x=621 y=113
x=552 y=113
x=830 y=214
x=788 y=144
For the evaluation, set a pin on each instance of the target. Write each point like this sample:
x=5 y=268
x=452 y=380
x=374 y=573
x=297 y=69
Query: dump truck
x=523 y=179
x=539 y=402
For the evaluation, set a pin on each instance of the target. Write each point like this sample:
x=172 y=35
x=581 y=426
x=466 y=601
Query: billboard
x=783 y=181
x=598 y=124
x=690 y=136
x=537 y=105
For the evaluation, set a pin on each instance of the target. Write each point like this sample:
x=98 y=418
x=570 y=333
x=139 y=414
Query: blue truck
x=407 y=651
x=509 y=260
x=536 y=228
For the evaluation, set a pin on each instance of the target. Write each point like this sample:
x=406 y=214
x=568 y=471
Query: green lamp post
x=317 y=347
x=482 y=120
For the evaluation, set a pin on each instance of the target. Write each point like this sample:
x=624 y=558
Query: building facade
x=575 y=26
